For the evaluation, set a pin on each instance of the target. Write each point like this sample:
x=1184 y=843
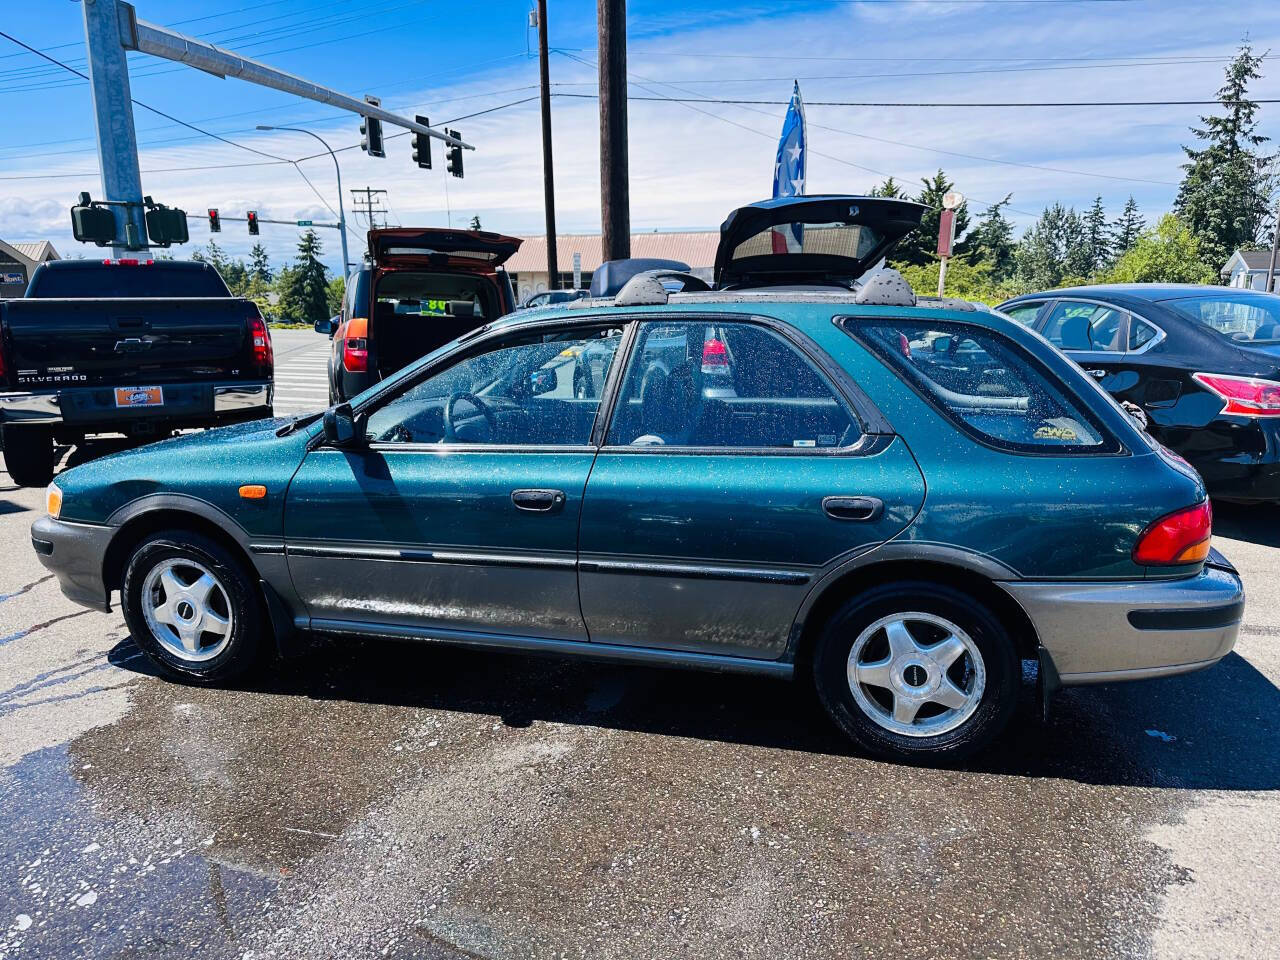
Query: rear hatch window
x=472 y=250
x=986 y=385
x=810 y=239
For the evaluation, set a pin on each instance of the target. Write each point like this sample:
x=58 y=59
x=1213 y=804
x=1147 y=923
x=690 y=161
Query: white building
x=1247 y=269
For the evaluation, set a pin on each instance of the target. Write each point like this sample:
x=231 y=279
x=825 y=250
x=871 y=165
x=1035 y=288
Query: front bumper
x=1101 y=632
x=87 y=407
x=74 y=553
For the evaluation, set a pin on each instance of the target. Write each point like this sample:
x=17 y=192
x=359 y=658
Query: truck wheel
x=192 y=608
x=917 y=671
x=28 y=455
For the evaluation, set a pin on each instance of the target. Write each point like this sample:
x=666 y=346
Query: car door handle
x=1097 y=374
x=853 y=508
x=538 y=501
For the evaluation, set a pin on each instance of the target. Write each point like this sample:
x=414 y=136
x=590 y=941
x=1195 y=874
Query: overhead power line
x=942 y=104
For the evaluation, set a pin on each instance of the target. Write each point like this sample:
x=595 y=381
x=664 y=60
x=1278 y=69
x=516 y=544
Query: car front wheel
x=917 y=671
x=192 y=608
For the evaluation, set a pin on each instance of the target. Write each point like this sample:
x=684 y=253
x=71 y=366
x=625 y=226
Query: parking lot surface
x=379 y=799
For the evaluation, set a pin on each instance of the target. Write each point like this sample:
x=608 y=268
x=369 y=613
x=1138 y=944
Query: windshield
x=1242 y=317
x=827 y=239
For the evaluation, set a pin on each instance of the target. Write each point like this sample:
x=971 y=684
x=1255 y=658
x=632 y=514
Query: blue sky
x=690 y=164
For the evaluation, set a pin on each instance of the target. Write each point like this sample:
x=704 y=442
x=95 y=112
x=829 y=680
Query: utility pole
x=548 y=174
x=615 y=190
x=113 y=116
x=370 y=206
x=1275 y=246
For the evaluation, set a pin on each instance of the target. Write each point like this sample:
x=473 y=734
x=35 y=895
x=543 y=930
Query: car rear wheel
x=192 y=608
x=29 y=455
x=917 y=672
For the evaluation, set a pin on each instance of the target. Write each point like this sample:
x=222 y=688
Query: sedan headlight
x=53 y=500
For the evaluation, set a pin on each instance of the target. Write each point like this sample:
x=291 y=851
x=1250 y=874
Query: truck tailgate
x=57 y=342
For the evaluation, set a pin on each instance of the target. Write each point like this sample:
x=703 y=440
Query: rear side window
x=114 y=280
x=1024 y=313
x=710 y=384
x=1084 y=326
x=988 y=386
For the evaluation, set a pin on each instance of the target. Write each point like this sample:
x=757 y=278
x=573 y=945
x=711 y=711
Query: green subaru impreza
x=787 y=473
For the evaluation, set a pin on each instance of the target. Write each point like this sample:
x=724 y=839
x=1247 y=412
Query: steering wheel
x=450 y=430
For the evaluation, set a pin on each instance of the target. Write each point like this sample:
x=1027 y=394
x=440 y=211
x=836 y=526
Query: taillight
x=355 y=346
x=715 y=358
x=262 y=353
x=904 y=345
x=1245 y=396
x=1176 y=538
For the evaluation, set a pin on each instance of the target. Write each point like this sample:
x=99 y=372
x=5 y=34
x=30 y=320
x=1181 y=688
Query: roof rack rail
x=647 y=289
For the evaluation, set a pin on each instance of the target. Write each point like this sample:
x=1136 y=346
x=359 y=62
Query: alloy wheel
x=916 y=674
x=187 y=610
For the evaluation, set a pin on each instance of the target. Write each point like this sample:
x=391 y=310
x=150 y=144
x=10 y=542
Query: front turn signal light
x=1176 y=538
x=53 y=500
x=253 y=491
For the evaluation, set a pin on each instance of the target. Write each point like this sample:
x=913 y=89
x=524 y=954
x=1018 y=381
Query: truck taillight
x=715 y=358
x=128 y=262
x=263 y=355
x=1176 y=538
x=355 y=345
x=1245 y=396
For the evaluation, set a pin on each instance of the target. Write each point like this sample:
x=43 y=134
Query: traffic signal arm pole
x=135 y=34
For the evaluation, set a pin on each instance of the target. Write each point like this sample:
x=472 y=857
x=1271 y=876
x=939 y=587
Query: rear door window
x=1085 y=327
x=710 y=384
x=987 y=385
x=1024 y=313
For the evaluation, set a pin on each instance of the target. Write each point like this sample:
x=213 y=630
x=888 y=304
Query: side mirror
x=327 y=326
x=543 y=381
x=342 y=428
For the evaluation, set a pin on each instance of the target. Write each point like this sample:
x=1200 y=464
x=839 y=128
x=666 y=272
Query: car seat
x=670 y=404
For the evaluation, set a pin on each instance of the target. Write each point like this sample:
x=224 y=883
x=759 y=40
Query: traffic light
x=454 y=154
x=215 y=225
x=252 y=217
x=422 y=146
x=371 y=131
x=90 y=224
x=165 y=225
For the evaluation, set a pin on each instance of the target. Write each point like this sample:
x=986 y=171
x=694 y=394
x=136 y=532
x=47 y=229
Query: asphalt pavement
x=381 y=799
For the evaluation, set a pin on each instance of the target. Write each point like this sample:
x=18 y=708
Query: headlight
x=53 y=500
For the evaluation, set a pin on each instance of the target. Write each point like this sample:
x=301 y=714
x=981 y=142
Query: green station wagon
x=792 y=473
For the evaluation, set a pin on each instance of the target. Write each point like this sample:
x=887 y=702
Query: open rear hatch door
x=798 y=240
x=474 y=251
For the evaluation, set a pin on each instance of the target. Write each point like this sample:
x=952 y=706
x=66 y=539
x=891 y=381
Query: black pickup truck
x=138 y=347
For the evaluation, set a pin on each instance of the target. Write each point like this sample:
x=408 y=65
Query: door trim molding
x=424 y=555
x=695 y=571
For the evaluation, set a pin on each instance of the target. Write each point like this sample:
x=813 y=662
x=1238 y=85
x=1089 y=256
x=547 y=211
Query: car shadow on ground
x=1252 y=522
x=1215 y=729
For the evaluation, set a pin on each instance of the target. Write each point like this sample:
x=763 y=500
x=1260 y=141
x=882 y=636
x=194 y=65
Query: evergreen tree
x=1053 y=251
x=303 y=286
x=259 y=265
x=921 y=246
x=1168 y=253
x=475 y=222
x=1097 y=238
x=991 y=242
x=1126 y=229
x=890 y=188
x=1223 y=198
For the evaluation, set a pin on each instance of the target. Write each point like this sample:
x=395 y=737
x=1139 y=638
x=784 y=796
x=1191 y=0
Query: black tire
x=249 y=630
x=29 y=455
x=998 y=654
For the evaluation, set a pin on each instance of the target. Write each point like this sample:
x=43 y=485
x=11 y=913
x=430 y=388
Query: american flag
x=788 y=171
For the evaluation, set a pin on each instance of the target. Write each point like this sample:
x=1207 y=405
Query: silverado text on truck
x=142 y=348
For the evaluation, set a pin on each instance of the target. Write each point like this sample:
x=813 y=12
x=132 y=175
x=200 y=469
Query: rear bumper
x=94 y=407
x=74 y=553
x=1135 y=629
